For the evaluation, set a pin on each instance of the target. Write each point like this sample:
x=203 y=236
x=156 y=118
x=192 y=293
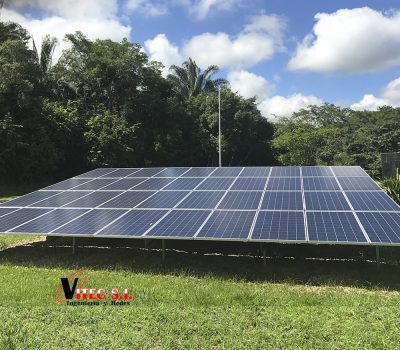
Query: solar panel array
x=336 y=204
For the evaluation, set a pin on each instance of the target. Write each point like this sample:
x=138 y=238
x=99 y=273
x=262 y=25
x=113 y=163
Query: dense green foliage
x=330 y=135
x=105 y=104
x=392 y=186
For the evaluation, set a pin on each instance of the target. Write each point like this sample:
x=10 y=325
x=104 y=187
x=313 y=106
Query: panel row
x=289 y=171
x=207 y=224
x=270 y=200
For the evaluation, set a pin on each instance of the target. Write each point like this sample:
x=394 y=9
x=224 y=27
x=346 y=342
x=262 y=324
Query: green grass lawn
x=197 y=302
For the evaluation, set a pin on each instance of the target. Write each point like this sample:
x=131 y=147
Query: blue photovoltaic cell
x=216 y=183
x=240 y=200
x=284 y=184
x=372 y=201
x=202 y=200
x=320 y=184
x=172 y=172
x=249 y=184
x=93 y=200
x=180 y=223
x=5 y=211
x=94 y=184
x=124 y=184
x=67 y=184
x=29 y=199
x=153 y=183
x=90 y=223
x=199 y=172
x=381 y=227
x=148 y=172
x=163 y=200
x=129 y=199
x=255 y=172
x=282 y=201
x=290 y=171
x=348 y=171
x=228 y=172
x=358 y=184
x=50 y=221
x=334 y=227
x=228 y=225
x=326 y=201
x=97 y=173
x=122 y=172
x=316 y=171
x=279 y=226
x=184 y=184
x=19 y=217
x=61 y=199
x=134 y=223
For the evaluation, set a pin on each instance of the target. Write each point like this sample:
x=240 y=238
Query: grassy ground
x=198 y=302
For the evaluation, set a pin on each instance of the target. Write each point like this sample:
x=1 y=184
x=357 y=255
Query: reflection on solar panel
x=228 y=225
x=334 y=227
x=325 y=201
x=279 y=226
x=180 y=223
x=282 y=204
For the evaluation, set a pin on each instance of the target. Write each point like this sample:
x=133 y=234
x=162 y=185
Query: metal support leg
x=163 y=249
x=146 y=243
x=264 y=254
x=73 y=245
x=378 y=258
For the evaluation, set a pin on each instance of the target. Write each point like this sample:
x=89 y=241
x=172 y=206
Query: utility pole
x=219 y=125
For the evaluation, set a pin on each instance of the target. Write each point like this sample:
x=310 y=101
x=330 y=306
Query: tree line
x=105 y=104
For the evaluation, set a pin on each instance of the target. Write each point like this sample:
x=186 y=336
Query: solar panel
x=284 y=183
x=255 y=172
x=202 y=200
x=348 y=171
x=316 y=171
x=199 y=172
x=358 y=184
x=279 y=226
x=228 y=225
x=249 y=184
x=325 y=201
x=216 y=183
x=184 y=184
x=334 y=227
x=180 y=223
x=163 y=200
x=89 y=223
x=53 y=220
x=374 y=200
x=320 y=183
x=29 y=199
x=302 y=204
x=240 y=200
x=381 y=227
x=282 y=201
x=290 y=171
x=134 y=223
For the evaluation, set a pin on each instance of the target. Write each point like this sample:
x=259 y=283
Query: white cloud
x=250 y=85
x=147 y=8
x=160 y=49
x=350 y=40
x=95 y=19
x=258 y=41
x=201 y=8
x=279 y=106
x=390 y=96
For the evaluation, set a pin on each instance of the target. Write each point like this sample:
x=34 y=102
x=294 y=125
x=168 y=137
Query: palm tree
x=189 y=80
x=45 y=57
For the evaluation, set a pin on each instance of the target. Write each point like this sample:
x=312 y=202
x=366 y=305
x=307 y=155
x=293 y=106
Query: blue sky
x=286 y=53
